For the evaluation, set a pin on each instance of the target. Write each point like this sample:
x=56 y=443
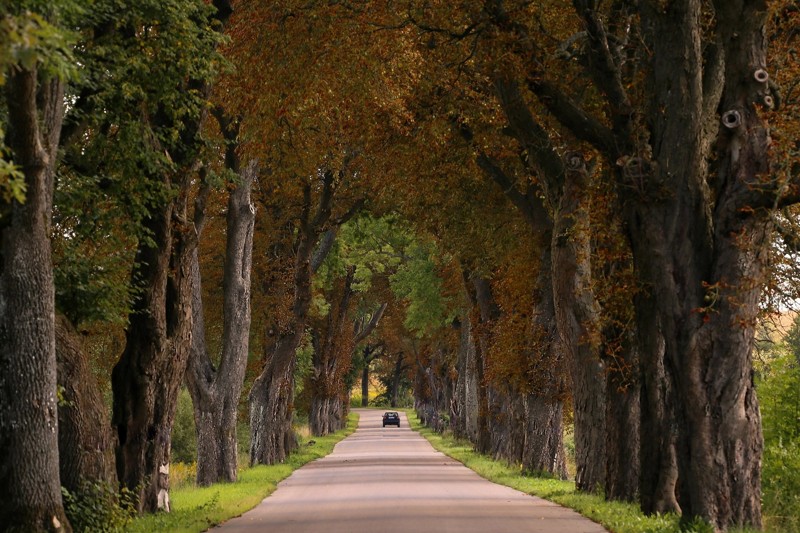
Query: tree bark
x=622 y=422
x=569 y=271
x=703 y=253
x=577 y=314
x=216 y=391
x=458 y=407
x=483 y=315
x=271 y=435
x=331 y=361
x=658 y=430
x=365 y=384
x=29 y=468
x=371 y=352
x=85 y=441
x=544 y=437
x=397 y=375
x=146 y=380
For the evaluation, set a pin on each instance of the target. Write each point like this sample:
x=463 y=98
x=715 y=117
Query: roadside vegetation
x=198 y=508
x=616 y=516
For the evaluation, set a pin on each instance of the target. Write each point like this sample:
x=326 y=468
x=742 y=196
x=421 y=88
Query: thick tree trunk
x=272 y=437
x=622 y=425
x=271 y=409
x=216 y=391
x=29 y=460
x=507 y=419
x=657 y=430
x=85 y=441
x=483 y=315
x=577 y=314
x=332 y=357
x=565 y=270
x=458 y=407
x=544 y=437
x=471 y=385
x=432 y=391
x=326 y=415
x=702 y=254
x=544 y=407
x=147 y=378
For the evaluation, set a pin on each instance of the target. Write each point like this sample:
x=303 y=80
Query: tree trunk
x=544 y=437
x=147 y=378
x=565 y=273
x=458 y=407
x=397 y=374
x=484 y=313
x=365 y=384
x=471 y=385
x=331 y=361
x=216 y=391
x=370 y=353
x=271 y=433
x=577 y=314
x=29 y=468
x=508 y=424
x=702 y=247
x=622 y=424
x=432 y=392
x=271 y=411
x=85 y=441
x=658 y=432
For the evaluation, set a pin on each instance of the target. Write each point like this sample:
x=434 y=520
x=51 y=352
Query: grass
x=617 y=517
x=199 y=508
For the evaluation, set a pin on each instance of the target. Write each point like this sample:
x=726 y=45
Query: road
x=392 y=480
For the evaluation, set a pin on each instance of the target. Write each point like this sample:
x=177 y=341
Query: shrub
x=99 y=507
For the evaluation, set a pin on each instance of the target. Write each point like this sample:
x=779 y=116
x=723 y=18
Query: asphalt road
x=389 y=480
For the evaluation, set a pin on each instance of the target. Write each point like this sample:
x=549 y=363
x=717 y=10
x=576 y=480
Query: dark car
x=391 y=418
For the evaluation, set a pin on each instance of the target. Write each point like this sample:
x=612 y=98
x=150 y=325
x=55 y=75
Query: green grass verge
x=197 y=509
x=617 y=517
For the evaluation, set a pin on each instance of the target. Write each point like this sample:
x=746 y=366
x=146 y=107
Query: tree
x=270 y=397
x=216 y=390
x=147 y=378
x=370 y=353
x=34 y=82
x=85 y=440
x=697 y=216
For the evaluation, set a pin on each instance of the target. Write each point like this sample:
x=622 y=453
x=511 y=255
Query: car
x=391 y=418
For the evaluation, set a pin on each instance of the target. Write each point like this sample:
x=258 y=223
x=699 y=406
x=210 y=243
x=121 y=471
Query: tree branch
x=530 y=134
x=323 y=249
x=364 y=330
x=584 y=126
x=604 y=68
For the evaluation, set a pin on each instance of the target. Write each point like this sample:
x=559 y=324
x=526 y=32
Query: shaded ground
x=392 y=480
